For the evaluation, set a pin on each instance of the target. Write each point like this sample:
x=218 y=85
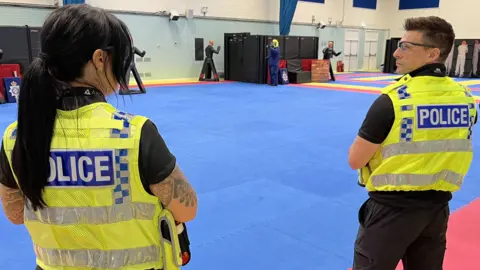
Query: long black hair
x=69 y=37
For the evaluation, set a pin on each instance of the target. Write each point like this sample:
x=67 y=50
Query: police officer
x=100 y=188
x=273 y=59
x=413 y=150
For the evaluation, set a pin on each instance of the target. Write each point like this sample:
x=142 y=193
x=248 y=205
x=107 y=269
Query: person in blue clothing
x=273 y=59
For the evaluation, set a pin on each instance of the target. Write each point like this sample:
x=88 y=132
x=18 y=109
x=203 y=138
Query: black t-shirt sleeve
x=379 y=120
x=155 y=161
x=6 y=175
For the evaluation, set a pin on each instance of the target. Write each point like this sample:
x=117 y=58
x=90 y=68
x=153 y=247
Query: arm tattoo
x=183 y=191
x=175 y=187
x=13 y=203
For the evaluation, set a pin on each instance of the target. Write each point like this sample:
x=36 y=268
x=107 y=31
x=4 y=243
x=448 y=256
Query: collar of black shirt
x=436 y=70
x=77 y=97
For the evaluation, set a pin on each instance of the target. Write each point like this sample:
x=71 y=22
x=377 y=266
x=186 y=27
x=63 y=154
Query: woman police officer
x=90 y=177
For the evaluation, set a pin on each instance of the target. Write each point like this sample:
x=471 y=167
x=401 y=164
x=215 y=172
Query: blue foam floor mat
x=270 y=168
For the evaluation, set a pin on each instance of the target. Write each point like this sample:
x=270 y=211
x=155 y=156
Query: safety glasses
x=405 y=45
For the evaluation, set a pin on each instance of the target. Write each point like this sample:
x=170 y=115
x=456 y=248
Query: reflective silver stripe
x=404 y=148
x=417 y=179
x=98 y=259
x=173 y=235
x=92 y=215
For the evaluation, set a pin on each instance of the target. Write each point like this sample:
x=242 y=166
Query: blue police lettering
x=443 y=116
x=81 y=168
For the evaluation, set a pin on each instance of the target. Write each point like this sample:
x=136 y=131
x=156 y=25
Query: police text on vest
x=81 y=168
x=443 y=116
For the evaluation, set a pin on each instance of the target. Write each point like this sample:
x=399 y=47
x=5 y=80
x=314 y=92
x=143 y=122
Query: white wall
x=334 y=9
x=241 y=9
x=460 y=13
x=258 y=9
x=252 y=9
x=35 y=2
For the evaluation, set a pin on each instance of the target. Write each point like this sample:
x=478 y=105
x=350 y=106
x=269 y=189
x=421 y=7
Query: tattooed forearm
x=164 y=191
x=183 y=191
x=13 y=204
x=175 y=187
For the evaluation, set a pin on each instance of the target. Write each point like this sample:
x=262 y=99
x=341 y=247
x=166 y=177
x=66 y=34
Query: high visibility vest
x=99 y=216
x=430 y=144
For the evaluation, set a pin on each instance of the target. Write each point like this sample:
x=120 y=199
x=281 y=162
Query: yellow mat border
x=358 y=87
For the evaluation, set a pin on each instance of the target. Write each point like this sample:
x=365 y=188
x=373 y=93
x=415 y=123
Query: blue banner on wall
x=314 y=1
x=287 y=10
x=418 y=4
x=72 y=2
x=370 y=4
x=12 y=88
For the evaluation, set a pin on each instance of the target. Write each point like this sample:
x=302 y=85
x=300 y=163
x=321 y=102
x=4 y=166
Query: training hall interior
x=266 y=151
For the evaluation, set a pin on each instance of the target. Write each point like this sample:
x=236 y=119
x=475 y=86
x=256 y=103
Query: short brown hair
x=436 y=32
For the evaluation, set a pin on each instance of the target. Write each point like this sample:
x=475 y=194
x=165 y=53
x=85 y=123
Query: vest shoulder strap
x=9 y=136
x=393 y=87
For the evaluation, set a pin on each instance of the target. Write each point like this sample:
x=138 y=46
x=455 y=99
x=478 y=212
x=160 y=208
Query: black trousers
x=331 y=70
x=417 y=236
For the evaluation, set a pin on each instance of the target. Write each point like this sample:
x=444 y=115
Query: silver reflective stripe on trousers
x=98 y=259
x=92 y=215
x=417 y=179
x=423 y=147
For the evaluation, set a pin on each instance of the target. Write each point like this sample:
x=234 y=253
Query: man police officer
x=413 y=150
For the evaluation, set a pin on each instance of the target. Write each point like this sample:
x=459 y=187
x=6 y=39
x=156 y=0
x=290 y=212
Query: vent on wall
x=139 y=59
x=147 y=59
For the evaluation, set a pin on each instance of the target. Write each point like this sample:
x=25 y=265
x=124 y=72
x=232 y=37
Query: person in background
x=461 y=57
x=476 y=50
x=210 y=65
x=133 y=69
x=328 y=54
x=412 y=151
x=273 y=60
x=2 y=98
x=94 y=186
x=449 y=61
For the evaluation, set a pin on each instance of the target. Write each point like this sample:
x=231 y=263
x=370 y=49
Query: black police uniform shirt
x=375 y=128
x=155 y=160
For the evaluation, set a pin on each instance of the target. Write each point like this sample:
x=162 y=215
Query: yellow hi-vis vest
x=429 y=146
x=99 y=216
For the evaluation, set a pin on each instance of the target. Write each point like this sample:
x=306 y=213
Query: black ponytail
x=36 y=118
x=69 y=37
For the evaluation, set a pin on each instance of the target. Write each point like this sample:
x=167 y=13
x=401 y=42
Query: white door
x=370 y=52
x=350 y=55
x=366 y=56
x=372 y=63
